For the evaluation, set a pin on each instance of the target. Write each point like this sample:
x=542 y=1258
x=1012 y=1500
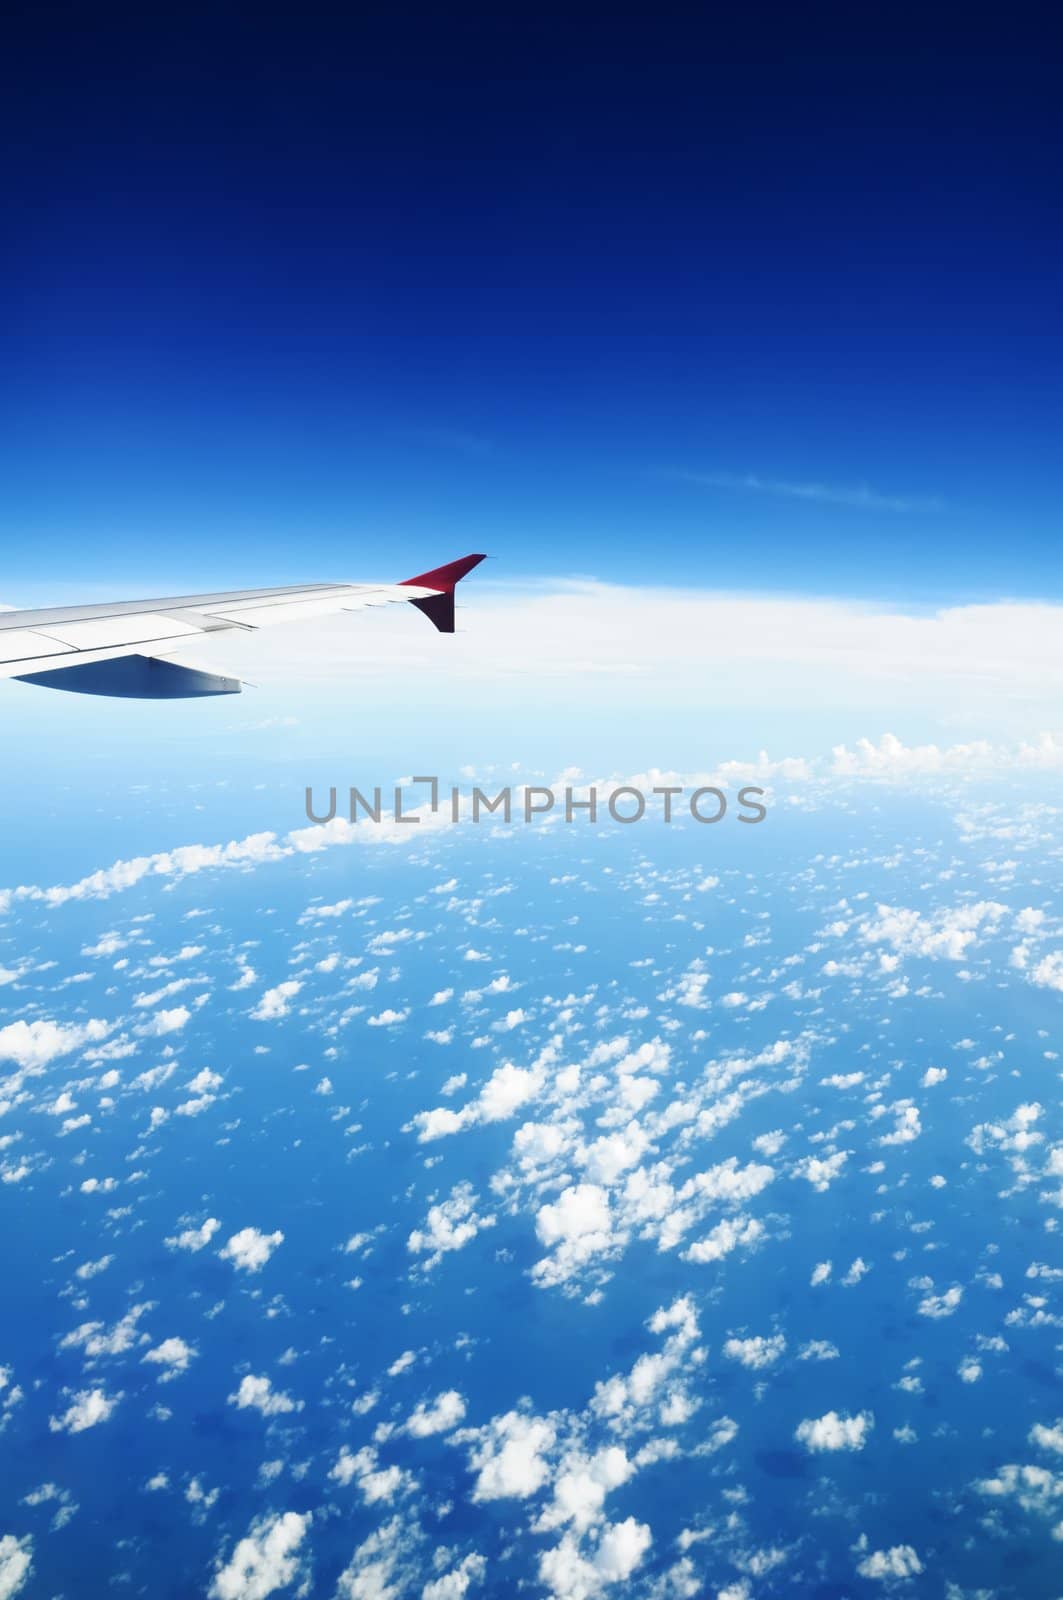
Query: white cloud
x=941 y=1305
x=174 y=1355
x=505 y=1092
x=908 y=1126
x=507 y=1089
x=1034 y=1489
x=32 y=1045
x=947 y=934
x=176 y=863
x=856 y=497
x=581 y=1487
x=264 y=1560
x=1018 y=1133
x=88 y=1408
x=337 y=909
x=509 y=1456
x=822 y=652
x=380 y=1568
x=655 y=1384
x=757 y=1352
x=444 y=1413
x=818 y=1350
x=439 y=1123
x=732 y=1184
x=842 y=1080
x=195 y=1238
x=249 y=1250
x=730 y=1234
x=899 y=1561
x=388 y=1019
x=276 y=1002
x=570 y=1575
x=1048 y=1438
x=377 y=1485
x=581 y=1209
x=454 y=1585
x=605 y=1159
x=450 y=1224
x=835 y=1431
x=145 y=1000
x=1048 y=973
x=16 y=1562
x=821 y=1171
x=258 y=1394
x=891 y=759
x=204 y=1081
x=12 y=1396
x=97 y=1340
x=164 y=1022
x=576 y=1227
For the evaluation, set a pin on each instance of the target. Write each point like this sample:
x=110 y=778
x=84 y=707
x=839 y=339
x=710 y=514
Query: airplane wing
x=136 y=648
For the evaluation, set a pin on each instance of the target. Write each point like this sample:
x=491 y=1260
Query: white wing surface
x=133 y=648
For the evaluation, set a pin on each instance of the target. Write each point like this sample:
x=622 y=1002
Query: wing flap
x=59 y=660
x=21 y=644
x=102 y=633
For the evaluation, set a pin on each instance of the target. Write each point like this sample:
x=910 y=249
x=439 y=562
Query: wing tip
x=439 y=608
x=444 y=578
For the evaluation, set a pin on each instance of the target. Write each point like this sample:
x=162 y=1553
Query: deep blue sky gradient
x=291 y=296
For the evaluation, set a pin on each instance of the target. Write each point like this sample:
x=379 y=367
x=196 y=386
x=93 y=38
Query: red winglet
x=439 y=608
x=445 y=577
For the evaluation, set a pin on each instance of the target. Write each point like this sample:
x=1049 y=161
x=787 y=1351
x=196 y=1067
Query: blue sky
x=722 y=306
x=734 y=339
x=765 y=305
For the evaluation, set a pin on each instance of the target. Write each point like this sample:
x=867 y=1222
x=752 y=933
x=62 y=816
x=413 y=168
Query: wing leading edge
x=133 y=648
